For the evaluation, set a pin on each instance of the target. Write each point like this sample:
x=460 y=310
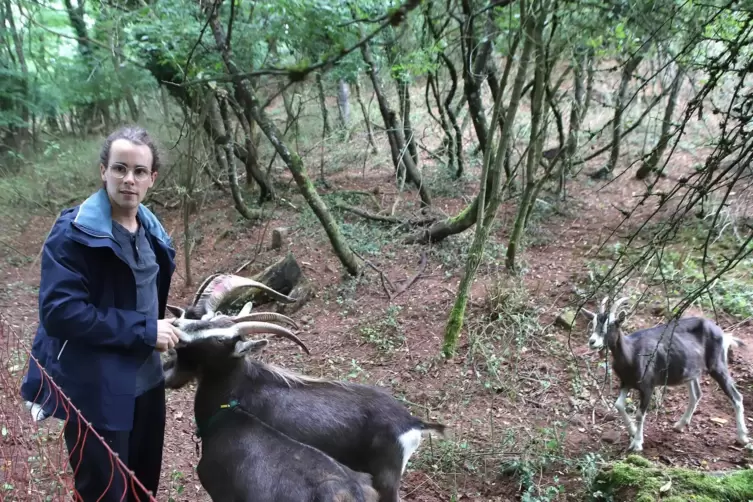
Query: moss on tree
x=638 y=479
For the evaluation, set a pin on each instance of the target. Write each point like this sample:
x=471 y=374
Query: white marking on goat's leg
x=728 y=386
x=694 y=395
x=410 y=441
x=620 y=405
x=637 y=443
x=640 y=418
x=742 y=430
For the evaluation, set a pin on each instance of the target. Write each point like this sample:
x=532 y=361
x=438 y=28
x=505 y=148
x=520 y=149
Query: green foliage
x=639 y=479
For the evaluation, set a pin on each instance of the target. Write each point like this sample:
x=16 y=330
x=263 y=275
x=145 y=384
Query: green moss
x=638 y=479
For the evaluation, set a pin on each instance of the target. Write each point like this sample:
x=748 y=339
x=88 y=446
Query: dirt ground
x=532 y=414
x=527 y=403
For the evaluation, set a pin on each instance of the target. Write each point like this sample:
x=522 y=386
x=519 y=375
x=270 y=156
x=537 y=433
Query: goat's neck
x=213 y=395
x=618 y=345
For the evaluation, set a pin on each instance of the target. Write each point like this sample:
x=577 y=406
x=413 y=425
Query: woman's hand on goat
x=167 y=335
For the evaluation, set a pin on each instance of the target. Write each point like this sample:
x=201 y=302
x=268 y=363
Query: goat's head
x=603 y=322
x=214 y=345
x=222 y=327
x=219 y=289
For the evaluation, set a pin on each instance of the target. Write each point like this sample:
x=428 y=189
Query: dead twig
x=421 y=268
x=258 y=249
x=386 y=280
x=382 y=275
x=387 y=219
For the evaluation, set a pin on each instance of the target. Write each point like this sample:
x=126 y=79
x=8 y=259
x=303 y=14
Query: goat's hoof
x=679 y=426
x=635 y=446
x=744 y=441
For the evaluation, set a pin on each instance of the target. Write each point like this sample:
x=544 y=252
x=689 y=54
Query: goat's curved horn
x=266 y=316
x=240 y=282
x=202 y=287
x=603 y=307
x=221 y=286
x=616 y=307
x=249 y=327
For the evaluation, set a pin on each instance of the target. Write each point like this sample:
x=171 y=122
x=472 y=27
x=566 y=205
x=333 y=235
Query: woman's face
x=129 y=173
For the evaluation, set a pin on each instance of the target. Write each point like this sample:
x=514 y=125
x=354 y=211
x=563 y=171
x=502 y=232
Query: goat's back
x=346 y=420
x=675 y=352
x=243 y=459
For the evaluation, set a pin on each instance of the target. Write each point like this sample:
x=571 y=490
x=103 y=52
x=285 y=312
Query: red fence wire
x=34 y=461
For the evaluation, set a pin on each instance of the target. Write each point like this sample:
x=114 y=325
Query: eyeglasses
x=139 y=174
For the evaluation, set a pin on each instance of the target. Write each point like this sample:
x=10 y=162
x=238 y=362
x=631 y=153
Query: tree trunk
x=323 y=105
x=656 y=154
x=576 y=115
x=224 y=154
x=343 y=103
x=365 y=113
x=536 y=143
x=627 y=75
x=487 y=213
x=397 y=147
x=291 y=159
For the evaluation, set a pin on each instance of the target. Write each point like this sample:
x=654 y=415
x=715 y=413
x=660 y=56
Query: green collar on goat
x=204 y=430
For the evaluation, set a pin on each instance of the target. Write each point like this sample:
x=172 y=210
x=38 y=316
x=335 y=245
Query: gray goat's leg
x=620 y=405
x=728 y=386
x=694 y=395
x=637 y=443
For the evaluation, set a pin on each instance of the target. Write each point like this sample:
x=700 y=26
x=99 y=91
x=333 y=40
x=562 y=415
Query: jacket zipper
x=97 y=236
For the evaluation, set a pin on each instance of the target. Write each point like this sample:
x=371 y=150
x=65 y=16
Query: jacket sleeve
x=65 y=308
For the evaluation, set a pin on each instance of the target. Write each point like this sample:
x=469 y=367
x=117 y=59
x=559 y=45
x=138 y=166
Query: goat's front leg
x=637 y=443
x=694 y=395
x=620 y=405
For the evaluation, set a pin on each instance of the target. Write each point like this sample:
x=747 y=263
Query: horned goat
x=363 y=427
x=242 y=457
x=674 y=353
x=215 y=289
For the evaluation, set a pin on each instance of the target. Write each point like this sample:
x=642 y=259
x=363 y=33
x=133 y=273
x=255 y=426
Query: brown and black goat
x=244 y=459
x=360 y=426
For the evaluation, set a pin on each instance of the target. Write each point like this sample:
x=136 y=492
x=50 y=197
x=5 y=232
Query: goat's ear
x=246 y=309
x=589 y=315
x=621 y=317
x=175 y=310
x=249 y=347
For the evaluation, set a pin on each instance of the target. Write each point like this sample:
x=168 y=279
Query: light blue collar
x=95 y=215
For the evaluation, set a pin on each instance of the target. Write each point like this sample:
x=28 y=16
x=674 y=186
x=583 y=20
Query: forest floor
x=528 y=404
x=523 y=396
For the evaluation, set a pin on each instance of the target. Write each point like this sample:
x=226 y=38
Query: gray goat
x=675 y=353
x=362 y=427
x=243 y=458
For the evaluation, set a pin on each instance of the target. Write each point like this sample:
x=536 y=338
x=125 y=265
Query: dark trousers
x=140 y=449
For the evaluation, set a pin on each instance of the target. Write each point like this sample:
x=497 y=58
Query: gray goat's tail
x=731 y=342
x=435 y=427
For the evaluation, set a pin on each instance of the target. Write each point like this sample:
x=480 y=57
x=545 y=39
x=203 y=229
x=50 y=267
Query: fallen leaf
x=720 y=421
x=666 y=486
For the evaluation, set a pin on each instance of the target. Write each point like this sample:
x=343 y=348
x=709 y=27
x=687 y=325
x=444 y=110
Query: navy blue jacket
x=90 y=339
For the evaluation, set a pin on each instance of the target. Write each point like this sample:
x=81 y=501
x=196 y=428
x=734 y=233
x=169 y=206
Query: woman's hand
x=167 y=335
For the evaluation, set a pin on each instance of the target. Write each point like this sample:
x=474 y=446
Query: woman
x=106 y=271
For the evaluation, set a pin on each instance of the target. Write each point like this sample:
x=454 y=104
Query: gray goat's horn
x=603 y=306
x=266 y=316
x=222 y=285
x=616 y=307
x=246 y=328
